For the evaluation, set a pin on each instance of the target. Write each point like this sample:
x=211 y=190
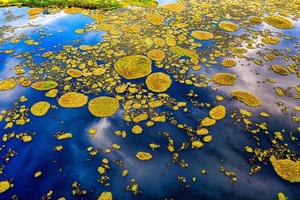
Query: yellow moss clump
x=98 y=71
x=52 y=93
x=256 y=19
x=40 y=108
x=72 y=10
x=132 y=67
x=218 y=112
x=75 y=73
x=174 y=7
x=136 y=129
x=270 y=40
x=246 y=97
x=202 y=35
x=279 y=22
x=228 y=63
x=44 y=85
x=287 y=169
x=155 y=19
x=105 y=196
x=85 y=47
x=280 y=70
x=72 y=100
x=158 y=82
x=207 y=121
x=184 y=52
x=156 y=55
x=228 y=26
x=197 y=144
x=224 y=78
x=143 y=155
x=103 y=106
x=4 y=186
x=34 y=11
x=7 y=84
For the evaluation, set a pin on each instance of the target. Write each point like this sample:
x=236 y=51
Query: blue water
x=156 y=178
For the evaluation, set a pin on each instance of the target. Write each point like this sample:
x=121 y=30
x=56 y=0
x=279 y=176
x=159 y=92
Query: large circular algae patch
x=103 y=106
x=158 y=82
x=73 y=100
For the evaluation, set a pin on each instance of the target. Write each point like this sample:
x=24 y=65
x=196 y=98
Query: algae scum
x=187 y=100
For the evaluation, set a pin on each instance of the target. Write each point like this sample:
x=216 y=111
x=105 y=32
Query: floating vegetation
x=228 y=63
x=7 y=84
x=105 y=196
x=73 y=100
x=224 y=78
x=75 y=73
x=270 y=40
x=103 y=106
x=218 y=112
x=279 y=69
x=155 y=19
x=133 y=67
x=143 y=155
x=279 y=22
x=158 y=82
x=4 y=186
x=287 y=169
x=202 y=35
x=228 y=26
x=44 y=85
x=35 y=11
x=40 y=108
x=246 y=97
x=156 y=55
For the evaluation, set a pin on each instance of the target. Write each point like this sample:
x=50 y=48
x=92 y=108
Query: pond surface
x=220 y=169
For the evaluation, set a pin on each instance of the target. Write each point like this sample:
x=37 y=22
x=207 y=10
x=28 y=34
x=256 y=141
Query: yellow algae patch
x=4 y=186
x=40 y=108
x=158 y=82
x=75 y=73
x=143 y=155
x=270 y=40
x=98 y=71
x=281 y=196
x=202 y=35
x=44 y=85
x=256 y=19
x=155 y=19
x=228 y=63
x=52 y=93
x=7 y=84
x=197 y=144
x=184 y=52
x=224 y=78
x=218 y=112
x=132 y=67
x=48 y=54
x=279 y=22
x=279 y=69
x=72 y=10
x=103 y=106
x=287 y=169
x=72 y=100
x=64 y=136
x=174 y=7
x=85 y=47
x=156 y=55
x=140 y=117
x=228 y=26
x=105 y=196
x=246 y=97
x=34 y=11
x=208 y=121
x=136 y=129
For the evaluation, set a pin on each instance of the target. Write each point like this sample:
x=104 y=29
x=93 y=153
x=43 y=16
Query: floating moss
x=103 y=106
x=105 y=196
x=228 y=26
x=287 y=169
x=224 y=78
x=75 y=73
x=197 y=144
x=4 y=186
x=52 y=93
x=256 y=19
x=133 y=67
x=136 y=129
x=270 y=40
x=98 y=71
x=279 y=22
x=7 y=84
x=143 y=155
x=246 y=97
x=184 y=52
x=279 y=69
x=156 y=55
x=44 y=85
x=202 y=35
x=173 y=7
x=207 y=121
x=218 y=112
x=155 y=18
x=34 y=11
x=158 y=82
x=40 y=108
x=228 y=63
x=72 y=100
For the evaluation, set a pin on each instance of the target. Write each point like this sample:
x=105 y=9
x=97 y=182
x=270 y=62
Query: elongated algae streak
x=246 y=97
x=7 y=84
x=44 y=85
x=40 y=108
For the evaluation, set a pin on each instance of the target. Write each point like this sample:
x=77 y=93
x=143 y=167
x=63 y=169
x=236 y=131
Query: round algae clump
x=103 y=106
x=280 y=70
x=40 y=108
x=287 y=169
x=174 y=7
x=44 y=85
x=158 y=82
x=218 y=112
x=202 y=35
x=208 y=121
x=155 y=19
x=75 y=73
x=270 y=40
x=132 y=67
x=156 y=55
x=143 y=155
x=72 y=100
x=136 y=129
x=224 y=78
x=105 y=196
x=228 y=26
x=7 y=84
x=246 y=97
x=228 y=63
x=4 y=186
x=279 y=22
